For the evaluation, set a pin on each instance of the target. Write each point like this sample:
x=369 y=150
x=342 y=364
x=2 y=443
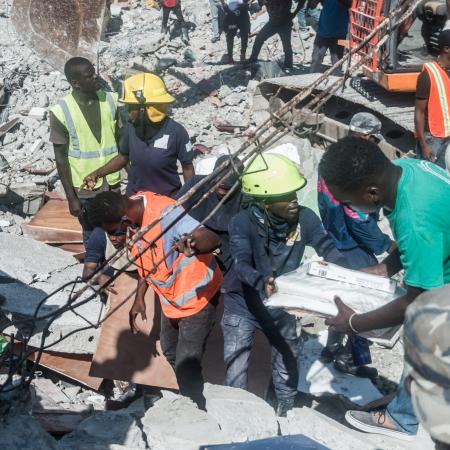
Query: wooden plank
x=121 y=355
x=53 y=223
x=74 y=367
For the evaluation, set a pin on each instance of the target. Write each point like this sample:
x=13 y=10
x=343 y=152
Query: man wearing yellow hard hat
x=151 y=142
x=267 y=240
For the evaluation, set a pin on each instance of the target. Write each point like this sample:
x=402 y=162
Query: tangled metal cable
x=270 y=131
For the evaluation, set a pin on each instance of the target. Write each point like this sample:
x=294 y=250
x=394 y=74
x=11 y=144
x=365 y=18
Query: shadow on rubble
x=18 y=303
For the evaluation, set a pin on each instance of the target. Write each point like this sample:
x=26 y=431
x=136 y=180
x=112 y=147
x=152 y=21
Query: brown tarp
x=121 y=355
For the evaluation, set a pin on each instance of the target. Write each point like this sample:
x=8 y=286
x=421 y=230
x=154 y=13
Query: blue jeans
x=401 y=408
x=282 y=332
x=217 y=16
x=314 y=15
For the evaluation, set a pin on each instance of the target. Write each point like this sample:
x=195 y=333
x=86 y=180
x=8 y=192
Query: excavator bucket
x=59 y=29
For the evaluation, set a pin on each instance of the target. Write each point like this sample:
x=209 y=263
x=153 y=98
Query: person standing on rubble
x=83 y=130
x=415 y=196
x=280 y=22
x=173 y=257
x=217 y=16
x=333 y=26
x=237 y=18
x=432 y=112
x=267 y=240
x=151 y=142
x=175 y=6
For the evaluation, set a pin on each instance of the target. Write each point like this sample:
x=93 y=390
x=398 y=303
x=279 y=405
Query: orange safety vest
x=439 y=101
x=188 y=286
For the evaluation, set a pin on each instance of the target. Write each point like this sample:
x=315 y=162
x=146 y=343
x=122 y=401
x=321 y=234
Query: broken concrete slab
x=22 y=432
x=239 y=413
x=106 y=429
x=175 y=423
x=34 y=270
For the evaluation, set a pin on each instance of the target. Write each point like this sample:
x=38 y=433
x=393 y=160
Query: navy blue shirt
x=334 y=20
x=350 y=229
x=252 y=264
x=153 y=158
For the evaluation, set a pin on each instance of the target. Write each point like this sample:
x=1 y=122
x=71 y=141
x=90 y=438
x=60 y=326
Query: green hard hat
x=271 y=175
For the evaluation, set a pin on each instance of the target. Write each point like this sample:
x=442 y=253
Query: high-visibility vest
x=85 y=153
x=191 y=282
x=439 y=101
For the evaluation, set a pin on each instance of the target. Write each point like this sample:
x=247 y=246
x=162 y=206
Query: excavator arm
x=59 y=29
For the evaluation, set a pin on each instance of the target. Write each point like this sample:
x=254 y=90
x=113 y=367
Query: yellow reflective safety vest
x=85 y=153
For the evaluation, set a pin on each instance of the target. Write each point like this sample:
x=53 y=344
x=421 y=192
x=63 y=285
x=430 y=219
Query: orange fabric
x=188 y=286
x=438 y=103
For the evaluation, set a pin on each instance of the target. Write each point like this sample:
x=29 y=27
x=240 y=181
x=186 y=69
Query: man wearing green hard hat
x=267 y=240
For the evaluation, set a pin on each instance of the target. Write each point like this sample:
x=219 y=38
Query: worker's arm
x=199 y=242
x=389 y=315
x=138 y=307
x=88 y=269
x=188 y=172
x=116 y=164
x=241 y=250
x=422 y=95
x=391 y=265
x=62 y=165
x=419 y=122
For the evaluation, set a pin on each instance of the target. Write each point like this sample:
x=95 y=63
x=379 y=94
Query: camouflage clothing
x=366 y=123
x=427 y=349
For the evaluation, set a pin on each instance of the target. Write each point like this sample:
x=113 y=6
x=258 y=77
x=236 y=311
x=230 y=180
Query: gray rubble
x=30 y=271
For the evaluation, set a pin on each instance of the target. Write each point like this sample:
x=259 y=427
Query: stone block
x=103 y=430
x=176 y=423
x=239 y=413
x=22 y=432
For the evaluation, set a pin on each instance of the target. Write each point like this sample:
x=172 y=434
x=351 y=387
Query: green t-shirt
x=420 y=222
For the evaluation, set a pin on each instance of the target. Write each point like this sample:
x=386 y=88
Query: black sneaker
x=284 y=406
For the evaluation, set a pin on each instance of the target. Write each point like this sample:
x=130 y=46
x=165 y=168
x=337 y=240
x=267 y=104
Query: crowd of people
x=260 y=231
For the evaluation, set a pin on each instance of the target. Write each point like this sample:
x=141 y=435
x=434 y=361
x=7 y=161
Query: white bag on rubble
x=310 y=288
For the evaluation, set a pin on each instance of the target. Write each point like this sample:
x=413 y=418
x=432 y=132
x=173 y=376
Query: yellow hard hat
x=145 y=88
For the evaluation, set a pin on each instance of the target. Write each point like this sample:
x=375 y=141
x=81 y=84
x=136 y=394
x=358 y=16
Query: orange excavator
x=395 y=60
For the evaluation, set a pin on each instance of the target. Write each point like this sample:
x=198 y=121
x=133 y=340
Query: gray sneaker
x=375 y=422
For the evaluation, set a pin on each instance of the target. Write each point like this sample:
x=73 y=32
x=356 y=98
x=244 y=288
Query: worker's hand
x=75 y=206
x=379 y=269
x=103 y=279
x=427 y=153
x=90 y=181
x=269 y=286
x=341 y=321
x=186 y=245
x=137 y=308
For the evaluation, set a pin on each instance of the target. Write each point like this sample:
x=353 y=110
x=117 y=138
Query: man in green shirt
x=415 y=196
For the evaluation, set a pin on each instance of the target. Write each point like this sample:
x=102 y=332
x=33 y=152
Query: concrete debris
x=38 y=112
x=193 y=426
x=31 y=279
x=105 y=429
x=242 y=415
x=22 y=432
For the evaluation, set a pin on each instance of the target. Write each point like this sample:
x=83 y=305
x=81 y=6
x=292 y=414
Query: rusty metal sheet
x=59 y=29
x=121 y=355
x=4 y=128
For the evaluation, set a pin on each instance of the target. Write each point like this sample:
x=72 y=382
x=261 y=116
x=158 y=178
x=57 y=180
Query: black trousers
x=269 y=30
x=321 y=46
x=183 y=343
x=178 y=14
x=232 y=24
